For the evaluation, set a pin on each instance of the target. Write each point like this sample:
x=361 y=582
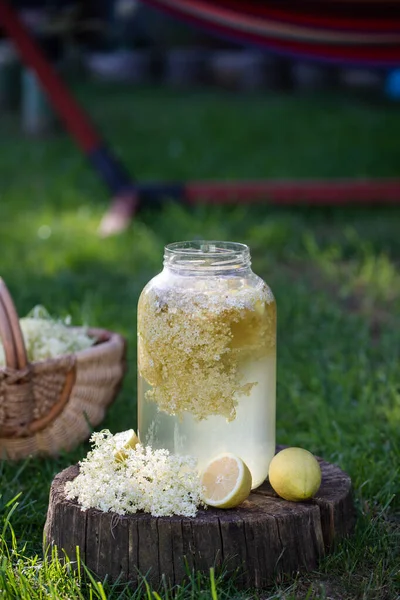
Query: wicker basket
x=52 y=405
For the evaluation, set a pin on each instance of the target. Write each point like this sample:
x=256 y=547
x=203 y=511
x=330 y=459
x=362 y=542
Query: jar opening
x=212 y=256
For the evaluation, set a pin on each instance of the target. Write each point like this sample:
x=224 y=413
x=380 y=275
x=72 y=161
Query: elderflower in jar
x=207 y=357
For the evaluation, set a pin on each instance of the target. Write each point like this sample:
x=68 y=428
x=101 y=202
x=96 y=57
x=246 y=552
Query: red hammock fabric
x=364 y=33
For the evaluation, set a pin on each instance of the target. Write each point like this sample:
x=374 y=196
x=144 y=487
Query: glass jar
x=207 y=356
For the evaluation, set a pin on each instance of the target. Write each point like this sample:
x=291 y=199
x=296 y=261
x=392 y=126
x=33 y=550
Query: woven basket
x=52 y=405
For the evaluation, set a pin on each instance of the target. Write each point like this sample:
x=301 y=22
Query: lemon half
x=295 y=474
x=226 y=481
x=123 y=442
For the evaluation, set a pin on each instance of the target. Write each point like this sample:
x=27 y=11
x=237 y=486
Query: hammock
x=363 y=33
x=334 y=33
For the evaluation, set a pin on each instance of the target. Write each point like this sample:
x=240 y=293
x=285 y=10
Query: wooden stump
x=262 y=538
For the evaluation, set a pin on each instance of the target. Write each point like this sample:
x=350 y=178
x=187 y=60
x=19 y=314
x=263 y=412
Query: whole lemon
x=295 y=474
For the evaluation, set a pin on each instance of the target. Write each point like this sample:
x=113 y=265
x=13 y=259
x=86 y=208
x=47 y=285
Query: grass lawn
x=335 y=275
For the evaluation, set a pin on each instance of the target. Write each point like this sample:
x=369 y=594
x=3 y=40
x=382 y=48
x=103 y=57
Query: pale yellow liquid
x=251 y=435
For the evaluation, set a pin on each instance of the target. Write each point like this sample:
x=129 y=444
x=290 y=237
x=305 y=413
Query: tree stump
x=259 y=540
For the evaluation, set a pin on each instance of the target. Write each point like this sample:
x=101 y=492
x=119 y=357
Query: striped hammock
x=356 y=32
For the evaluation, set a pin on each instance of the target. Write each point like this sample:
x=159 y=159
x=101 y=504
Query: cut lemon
x=123 y=442
x=226 y=481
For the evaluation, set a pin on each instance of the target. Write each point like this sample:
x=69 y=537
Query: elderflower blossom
x=192 y=345
x=45 y=337
x=153 y=481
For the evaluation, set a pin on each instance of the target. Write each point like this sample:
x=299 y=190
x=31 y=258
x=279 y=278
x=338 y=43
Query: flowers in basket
x=46 y=337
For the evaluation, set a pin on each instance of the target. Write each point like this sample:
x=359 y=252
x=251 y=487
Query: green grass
x=335 y=274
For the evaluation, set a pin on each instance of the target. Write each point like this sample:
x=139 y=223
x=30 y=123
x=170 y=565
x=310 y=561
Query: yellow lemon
x=123 y=441
x=295 y=474
x=226 y=481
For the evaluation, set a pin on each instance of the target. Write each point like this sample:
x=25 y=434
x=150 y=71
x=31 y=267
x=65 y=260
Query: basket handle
x=10 y=331
x=7 y=338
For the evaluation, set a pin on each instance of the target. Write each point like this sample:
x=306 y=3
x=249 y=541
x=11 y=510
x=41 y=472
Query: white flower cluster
x=153 y=481
x=45 y=337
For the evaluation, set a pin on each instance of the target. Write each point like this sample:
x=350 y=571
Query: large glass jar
x=207 y=356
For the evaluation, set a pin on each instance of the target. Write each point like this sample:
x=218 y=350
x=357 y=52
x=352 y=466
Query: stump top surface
x=335 y=486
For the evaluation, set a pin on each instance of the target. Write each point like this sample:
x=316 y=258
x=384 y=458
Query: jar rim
x=210 y=248
x=207 y=255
